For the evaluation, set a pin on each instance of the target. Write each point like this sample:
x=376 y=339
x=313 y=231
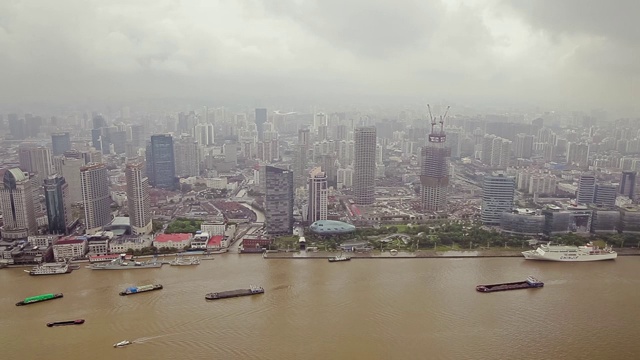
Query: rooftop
x=215 y=240
x=177 y=237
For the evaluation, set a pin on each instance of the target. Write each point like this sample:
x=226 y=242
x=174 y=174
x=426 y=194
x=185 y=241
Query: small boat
x=207 y=257
x=63 y=323
x=529 y=283
x=122 y=343
x=182 y=261
x=253 y=290
x=140 y=289
x=339 y=258
x=38 y=298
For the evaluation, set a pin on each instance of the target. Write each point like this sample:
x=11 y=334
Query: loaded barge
x=530 y=282
x=63 y=323
x=140 y=289
x=38 y=298
x=253 y=290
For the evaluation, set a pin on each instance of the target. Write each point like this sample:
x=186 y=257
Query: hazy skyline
x=571 y=54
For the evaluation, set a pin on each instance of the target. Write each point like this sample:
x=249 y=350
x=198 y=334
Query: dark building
x=99 y=122
x=137 y=135
x=60 y=142
x=119 y=141
x=261 y=118
x=96 y=139
x=278 y=202
x=161 y=168
x=16 y=127
x=56 y=197
x=628 y=184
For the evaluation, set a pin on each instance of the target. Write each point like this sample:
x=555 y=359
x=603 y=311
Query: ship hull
x=155 y=287
x=22 y=303
x=232 y=294
x=533 y=255
x=128 y=267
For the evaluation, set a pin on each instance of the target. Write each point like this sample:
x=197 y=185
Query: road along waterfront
x=403 y=309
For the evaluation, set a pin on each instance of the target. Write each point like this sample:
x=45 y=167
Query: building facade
x=318 y=196
x=278 y=203
x=138 y=199
x=586 y=189
x=16 y=201
x=56 y=196
x=95 y=196
x=434 y=177
x=497 y=197
x=364 y=167
x=161 y=167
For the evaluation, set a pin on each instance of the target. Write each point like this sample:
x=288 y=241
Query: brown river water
x=313 y=309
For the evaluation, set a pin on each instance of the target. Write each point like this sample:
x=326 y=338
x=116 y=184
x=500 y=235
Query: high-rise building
x=301 y=154
x=187 y=157
x=364 y=165
x=17 y=127
x=138 y=198
x=36 y=160
x=605 y=195
x=434 y=169
x=278 y=200
x=628 y=184
x=96 y=198
x=16 y=202
x=524 y=146
x=578 y=154
x=56 y=196
x=586 y=189
x=261 y=118
x=161 y=168
x=498 y=192
x=118 y=140
x=317 y=209
x=204 y=134
x=137 y=135
x=60 y=142
x=69 y=166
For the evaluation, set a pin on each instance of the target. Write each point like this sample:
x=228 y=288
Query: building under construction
x=434 y=168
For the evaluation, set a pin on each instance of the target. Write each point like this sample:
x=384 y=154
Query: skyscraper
x=586 y=189
x=434 y=169
x=364 y=165
x=70 y=165
x=498 y=192
x=95 y=196
x=187 y=157
x=317 y=195
x=56 y=195
x=261 y=118
x=204 y=134
x=60 y=142
x=160 y=162
x=138 y=198
x=36 y=160
x=16 y=202
x=605 y=195
x=278 y=203
x=628 y=184
x=524 y=146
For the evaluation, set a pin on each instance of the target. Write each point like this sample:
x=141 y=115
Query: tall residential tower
x=95 y=196
x=317 y=195
x=364 y=165
x=138 y=198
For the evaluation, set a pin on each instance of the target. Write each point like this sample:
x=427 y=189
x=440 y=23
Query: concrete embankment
x=321 y=255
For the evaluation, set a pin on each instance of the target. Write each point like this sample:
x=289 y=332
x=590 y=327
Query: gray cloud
x=573 y=53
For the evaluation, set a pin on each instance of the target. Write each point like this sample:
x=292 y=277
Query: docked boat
x=122 y=343
x=338 y=258
x=185 y=261
x=122 y=264
x=140 y=289
x=65 y=323
x=589 y=252
x=253 y=290
x=207 y=257
x=529 y=283
x=38 y=298
x=51 y=269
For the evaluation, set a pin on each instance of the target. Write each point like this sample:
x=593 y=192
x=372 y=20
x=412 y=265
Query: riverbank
x=420 y=254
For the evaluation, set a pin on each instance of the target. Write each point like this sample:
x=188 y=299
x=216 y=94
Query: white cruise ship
x=570 y=253
x=50 y=269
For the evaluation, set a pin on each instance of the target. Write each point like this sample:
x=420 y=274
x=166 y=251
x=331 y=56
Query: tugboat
x=253 y=290
x=122 y=343
x=140 y=289
x=529 y=283
x=63 y=323
x=38 y=298
x=339 y=258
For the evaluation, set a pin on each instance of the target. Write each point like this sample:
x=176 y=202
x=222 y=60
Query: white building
x=200 y=241
x=124 y=243
x=70 y=248
x=498 y=197
x=174 y=241
x=43 y=241
x=213 y=228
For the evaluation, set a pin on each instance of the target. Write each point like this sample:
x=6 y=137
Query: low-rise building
x=123 y=243
x=98 y=244
x=70 y=248
x=43 y=241
x=216 y=242
x=255 y=243
x=173 y=241
x=200 y=240
x=213 y=228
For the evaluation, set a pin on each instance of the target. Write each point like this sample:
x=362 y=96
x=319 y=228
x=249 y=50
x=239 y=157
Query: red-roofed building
x=174 y=241
x=255 y=243
x=216 y=242
x=70 y=248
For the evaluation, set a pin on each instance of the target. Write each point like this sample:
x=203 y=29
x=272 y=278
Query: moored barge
x=140 y=289
x=530 y=282
x=38 y=298
x=253 y=290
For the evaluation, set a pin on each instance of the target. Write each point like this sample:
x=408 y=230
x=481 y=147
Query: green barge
x=38 y=298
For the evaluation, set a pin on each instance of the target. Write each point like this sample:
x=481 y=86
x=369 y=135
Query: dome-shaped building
x=331 y=227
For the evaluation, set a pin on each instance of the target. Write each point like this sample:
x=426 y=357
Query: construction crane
x=437 y=136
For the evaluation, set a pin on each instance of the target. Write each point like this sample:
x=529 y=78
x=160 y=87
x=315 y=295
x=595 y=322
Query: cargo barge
x=529 y=283
x=38 y=298
x=140 y=289
x=253 y=290
x=64 y=323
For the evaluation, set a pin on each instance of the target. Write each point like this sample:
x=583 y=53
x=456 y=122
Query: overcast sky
x=569 y=53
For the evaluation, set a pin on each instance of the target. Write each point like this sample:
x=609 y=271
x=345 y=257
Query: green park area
x=445 y=236
x=182 y=225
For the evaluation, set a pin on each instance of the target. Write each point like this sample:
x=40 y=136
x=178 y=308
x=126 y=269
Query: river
x=313 y=309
